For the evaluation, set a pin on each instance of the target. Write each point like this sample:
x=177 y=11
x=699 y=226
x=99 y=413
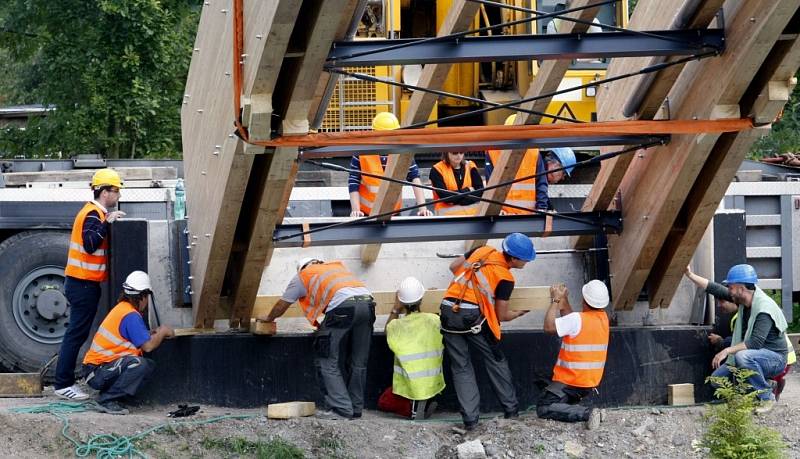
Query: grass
x=275 y=448
x=329 y=446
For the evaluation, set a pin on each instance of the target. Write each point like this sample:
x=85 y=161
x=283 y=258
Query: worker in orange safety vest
x=471 y=311
x=87 y=269
x=329 y=288
x=582 y=358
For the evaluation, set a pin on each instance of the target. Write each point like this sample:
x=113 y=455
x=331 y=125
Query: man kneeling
x=114 y=364
x=582 y=358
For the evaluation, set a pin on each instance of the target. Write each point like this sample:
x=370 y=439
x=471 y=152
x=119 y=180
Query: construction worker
x=582 y=358
x=345 y=334
x=85 y=272
x=533 y=193
x=114 y=364
x=473 y=306
x=364 y=189
x=416 y=342
x=455 y=174
x=758 y=342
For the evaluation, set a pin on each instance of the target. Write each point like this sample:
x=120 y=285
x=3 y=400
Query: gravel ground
x=657 y=432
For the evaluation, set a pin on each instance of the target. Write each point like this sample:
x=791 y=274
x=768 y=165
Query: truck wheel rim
x=39 y=305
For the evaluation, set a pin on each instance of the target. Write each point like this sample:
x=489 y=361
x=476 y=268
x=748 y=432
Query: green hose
x=106 y=446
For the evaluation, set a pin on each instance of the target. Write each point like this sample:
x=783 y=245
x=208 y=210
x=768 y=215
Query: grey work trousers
x=562 y=403
x=341 y=347
x=119 y=378
x=460 y=348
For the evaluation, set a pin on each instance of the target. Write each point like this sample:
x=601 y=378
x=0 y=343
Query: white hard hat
x=411 y=291
x=136 y=283
x=595 y=293
x=305 y=261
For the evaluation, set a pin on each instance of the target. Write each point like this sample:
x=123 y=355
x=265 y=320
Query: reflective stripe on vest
x=450 y=183
x=418 y=350
x=523 y=193
x=468 y=282
x=80 y=263
x=322 y=281
x=582 y=359
x=108 y=344
x=368 y=189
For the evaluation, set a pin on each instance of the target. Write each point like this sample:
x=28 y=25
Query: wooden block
x=290 y=410
x=20 y=385
x=258 y=327
x=680 y=394
x=193 y=331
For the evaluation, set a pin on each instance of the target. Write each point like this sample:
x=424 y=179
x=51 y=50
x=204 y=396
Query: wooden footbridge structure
x=261 y=71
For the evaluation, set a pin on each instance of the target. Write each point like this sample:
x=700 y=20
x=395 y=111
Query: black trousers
x=119 y=378
x=562 y=403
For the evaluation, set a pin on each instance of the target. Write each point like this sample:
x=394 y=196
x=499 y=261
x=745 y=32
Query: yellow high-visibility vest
x=417 y=345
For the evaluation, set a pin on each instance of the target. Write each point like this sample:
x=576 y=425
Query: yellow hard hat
x=511 y=119
x=106 y=177
x=385 y=121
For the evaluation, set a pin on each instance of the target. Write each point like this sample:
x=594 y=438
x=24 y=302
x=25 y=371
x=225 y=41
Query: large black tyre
x=33 y=310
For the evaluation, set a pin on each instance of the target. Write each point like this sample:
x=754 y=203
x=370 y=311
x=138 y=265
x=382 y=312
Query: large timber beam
x=527 y=47
x=763 y=100
x=273 y=174
x=612 y=97
x=216 y=167
x=704 y=90
x=448 y=229
x=547 y=80
x=420 y=107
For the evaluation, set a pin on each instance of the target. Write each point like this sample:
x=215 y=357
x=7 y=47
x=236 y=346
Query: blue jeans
x=765 y=363
x=83 y=297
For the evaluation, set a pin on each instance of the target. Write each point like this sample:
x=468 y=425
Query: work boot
x=332 y=414
x=765 y=406
x=112 y=407
x=470 y=425
x=595 y=417
x=778 y=388
x=511 y=414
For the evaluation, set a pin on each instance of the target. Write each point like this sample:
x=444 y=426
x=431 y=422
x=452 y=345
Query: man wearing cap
x=85 y=272
x=416 y=342
x=346 y=333
x=582 y=358
x=758 y=342
x=473 y=306
x=547 y=168
x=114 y=364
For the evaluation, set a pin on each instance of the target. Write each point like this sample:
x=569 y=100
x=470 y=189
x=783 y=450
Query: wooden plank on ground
x=290 y=410
x=271 y=185
x=522 y=299
x=459 y=18
x=612 y=97
x=550 y=74
x=680 y=394
x=20 y=385
x=705 y=90
x=764 y=99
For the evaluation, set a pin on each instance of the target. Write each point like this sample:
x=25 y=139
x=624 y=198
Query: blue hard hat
x=566 y=157
x=519 y=246
x=741 y=274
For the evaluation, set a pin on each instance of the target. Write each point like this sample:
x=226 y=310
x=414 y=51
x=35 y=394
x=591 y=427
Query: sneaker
x=765 y=406
x=112 y=407
x=72 y=392
x=595 y=417
x=331 y=415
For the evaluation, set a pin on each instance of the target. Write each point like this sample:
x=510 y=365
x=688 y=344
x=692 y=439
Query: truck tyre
x=33 y=310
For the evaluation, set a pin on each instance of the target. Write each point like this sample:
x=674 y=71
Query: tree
x=785 y=134
x=113 y=69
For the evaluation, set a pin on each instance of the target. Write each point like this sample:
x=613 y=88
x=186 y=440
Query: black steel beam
x=449 y=229
x=545 y=143
x=526 y=47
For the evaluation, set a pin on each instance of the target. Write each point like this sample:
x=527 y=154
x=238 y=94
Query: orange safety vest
x=446 y=208
x=582 y=358
x=80 y=263
x=368 y=189
x=322 y=281
x=522 y=193
x=476 y=281
x=108 y=344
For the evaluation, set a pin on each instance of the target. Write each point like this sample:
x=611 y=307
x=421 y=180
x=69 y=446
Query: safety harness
x=470 y=274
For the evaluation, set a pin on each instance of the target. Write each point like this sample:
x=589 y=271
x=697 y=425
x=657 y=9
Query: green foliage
x=785 y=135
x=113 y=69
x=731 y=433
x=275 y=448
